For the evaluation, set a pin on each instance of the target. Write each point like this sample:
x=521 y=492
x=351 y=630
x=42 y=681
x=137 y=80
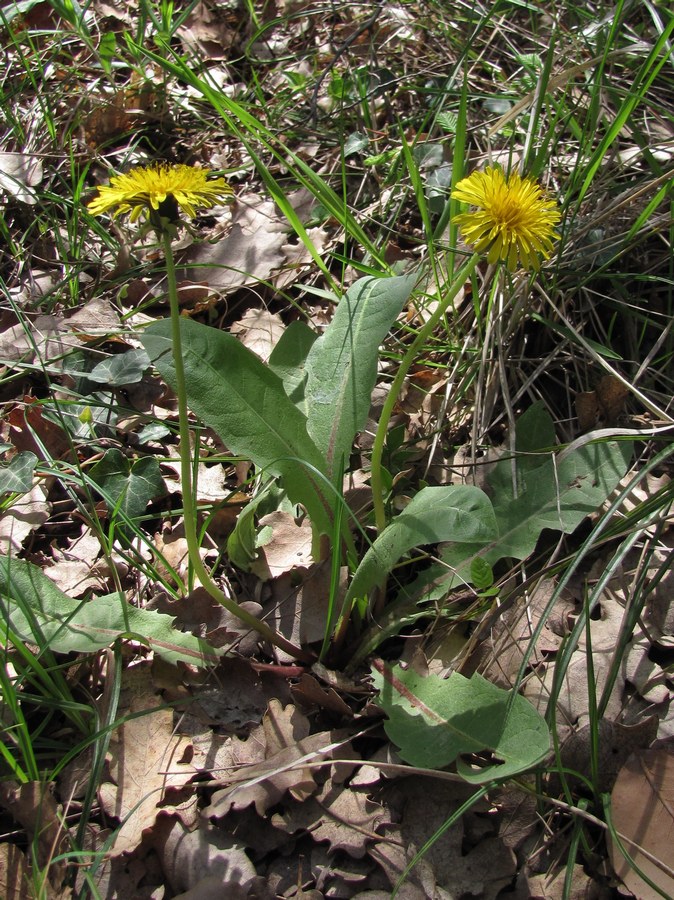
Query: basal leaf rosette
x=513 y=221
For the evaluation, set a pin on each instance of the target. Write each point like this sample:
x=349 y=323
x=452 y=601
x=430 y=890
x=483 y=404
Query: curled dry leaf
x=285 y=733
x=191 y=858
x=347 y=819
x=250 y=253
x=14 y=873
x=25 y=515
x=32 y=805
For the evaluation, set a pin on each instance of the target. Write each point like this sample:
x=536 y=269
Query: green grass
x=581 y=98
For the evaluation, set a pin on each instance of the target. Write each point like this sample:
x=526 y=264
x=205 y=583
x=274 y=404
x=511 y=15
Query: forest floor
x=153 y=744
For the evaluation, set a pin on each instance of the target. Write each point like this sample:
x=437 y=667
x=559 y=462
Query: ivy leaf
x=123 y=368
x=126 y=486
x=17 y=477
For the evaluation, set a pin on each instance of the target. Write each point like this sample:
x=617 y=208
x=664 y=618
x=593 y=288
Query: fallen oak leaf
x=346 y=818
x=14 y=873
x=265 y=783
x=190 y=859
x=146 y=758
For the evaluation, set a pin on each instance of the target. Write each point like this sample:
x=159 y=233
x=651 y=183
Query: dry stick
x=189 y=506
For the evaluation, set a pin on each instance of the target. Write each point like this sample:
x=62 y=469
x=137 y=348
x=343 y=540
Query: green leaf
x=288 y=359
x=107 y=50
x=126 y=486
x=37 y=611
x=456 y=512
x=342 y=364
x=434 y=720
x=233 y=392
x=241 y=543
x=355 y=143
x=124 y=368
x=553 y=490
x=534 y=433
x=481 y=574
x=17 y=477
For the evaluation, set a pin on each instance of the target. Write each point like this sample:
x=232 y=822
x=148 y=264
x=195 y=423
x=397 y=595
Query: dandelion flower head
x=145 y=189
x=513 y=221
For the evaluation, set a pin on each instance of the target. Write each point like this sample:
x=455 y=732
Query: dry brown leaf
x=250 y=252
x=298 y=257
x=32 y=805
x=647 y=488
x=19 y=172
x=206 y=32
x=573 y=702
x=345 y=818
x=25 y=514
x=482 y=871
x=73 y=576
x=642 y=808
x=500 y=655
x=265 y=783
x=310 y=692
x=31 y=429
x=14 y=874
x=651 y=681
x=259 y=330
x=115 y=113
x=198 y=613
x=145 y=759
x=285 y=735
x=552 y=887
x=288 y=546
x=189 y=858
x=209 y=482
x=299 y=612
x=117 y=11
x=603 y=406
x=42 y=339
x=616 y=742
x=97 y=318
x=50 y=337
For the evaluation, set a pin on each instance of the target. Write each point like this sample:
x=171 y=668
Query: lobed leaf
x=461 y=513
x=35 y=610
x=434 y=720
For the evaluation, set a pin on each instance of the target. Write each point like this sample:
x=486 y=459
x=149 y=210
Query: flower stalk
x=160 y=193
x=513 y=224
x=189 y=504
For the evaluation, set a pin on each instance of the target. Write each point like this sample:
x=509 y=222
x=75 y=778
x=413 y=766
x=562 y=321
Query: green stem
x=189 y=504
x=412 y=351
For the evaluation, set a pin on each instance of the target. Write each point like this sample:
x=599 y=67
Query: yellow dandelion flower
x=513 y=220
x=147 y=189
